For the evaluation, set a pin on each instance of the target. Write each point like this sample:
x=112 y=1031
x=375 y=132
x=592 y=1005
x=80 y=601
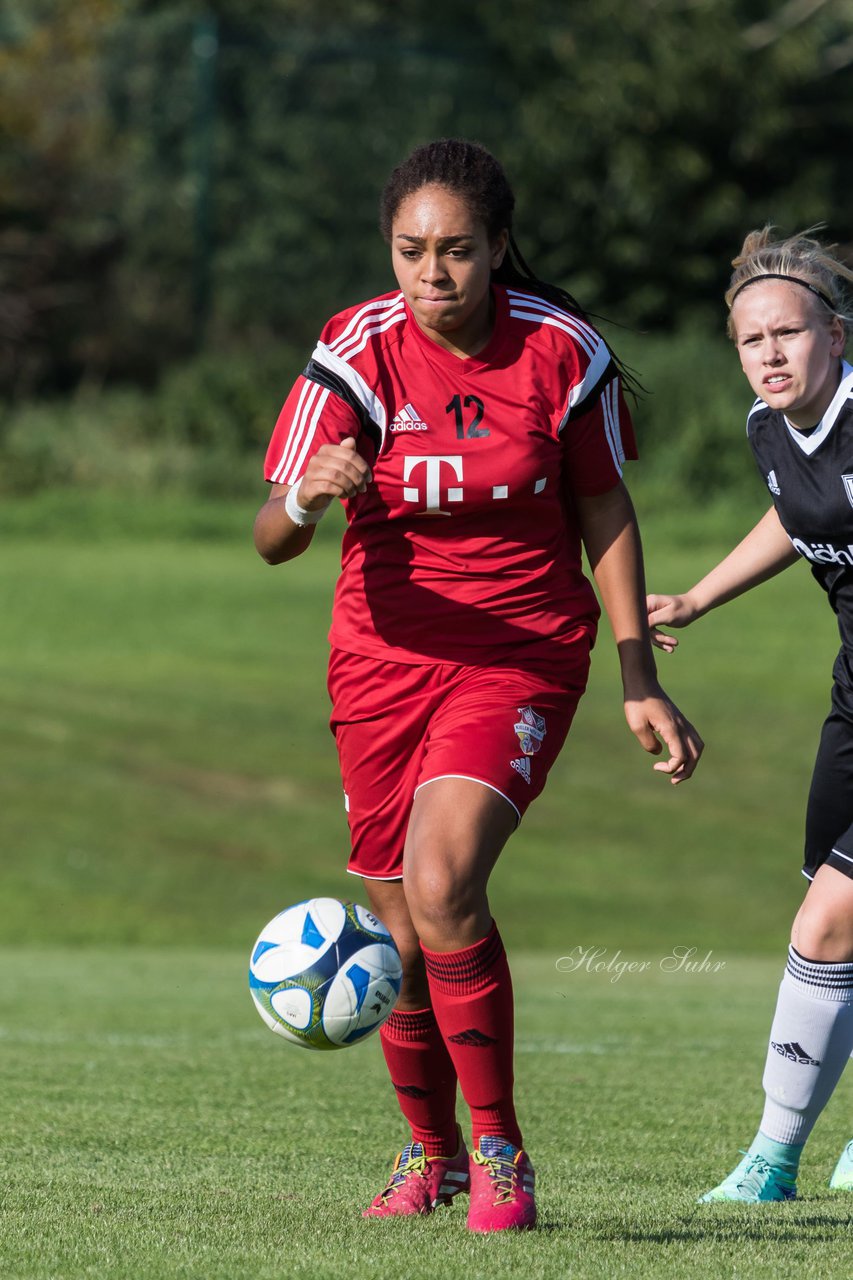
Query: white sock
x=811 y=1041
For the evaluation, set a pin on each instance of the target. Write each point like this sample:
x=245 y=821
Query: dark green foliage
x=691 y=423
x=183 y=176
x=203 y=429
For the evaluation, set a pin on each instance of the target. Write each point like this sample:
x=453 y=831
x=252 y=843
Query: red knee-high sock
x=424 y=1077
x=471 y=993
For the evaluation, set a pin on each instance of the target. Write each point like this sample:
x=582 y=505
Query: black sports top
x=810 y=475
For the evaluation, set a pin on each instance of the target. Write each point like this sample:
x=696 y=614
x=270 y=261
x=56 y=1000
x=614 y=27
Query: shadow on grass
x=740 y=1222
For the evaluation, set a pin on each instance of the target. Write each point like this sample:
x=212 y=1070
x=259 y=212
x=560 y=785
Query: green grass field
x=152 y=1127
x=167 y=783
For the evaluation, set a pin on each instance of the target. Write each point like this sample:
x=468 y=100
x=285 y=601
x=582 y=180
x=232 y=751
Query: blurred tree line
x=194 y=184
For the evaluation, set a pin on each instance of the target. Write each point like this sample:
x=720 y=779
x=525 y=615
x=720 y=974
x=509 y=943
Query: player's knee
x=823 y=931
x=439 y=898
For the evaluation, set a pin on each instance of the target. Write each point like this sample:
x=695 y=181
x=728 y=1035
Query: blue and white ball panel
x=287 y=1012
x=368 y=921
x=362 y=993
x=297 y=938
x=324 y=974
x=295 y=1006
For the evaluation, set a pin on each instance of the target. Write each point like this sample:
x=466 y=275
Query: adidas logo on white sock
x=794 y=1053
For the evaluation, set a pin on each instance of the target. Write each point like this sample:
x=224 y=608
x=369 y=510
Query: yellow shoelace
x=504 y=1175
x=403 y=1171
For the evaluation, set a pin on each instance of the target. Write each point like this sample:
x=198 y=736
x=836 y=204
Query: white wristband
x=301 y=515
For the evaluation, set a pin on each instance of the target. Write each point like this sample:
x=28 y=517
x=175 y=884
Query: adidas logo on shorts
x=522 y=766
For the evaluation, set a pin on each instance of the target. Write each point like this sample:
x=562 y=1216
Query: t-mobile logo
x=434 y=464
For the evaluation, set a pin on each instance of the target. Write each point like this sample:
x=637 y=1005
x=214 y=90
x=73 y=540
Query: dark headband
x=777 y=275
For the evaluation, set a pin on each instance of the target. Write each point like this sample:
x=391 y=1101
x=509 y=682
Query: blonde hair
x=800 y=258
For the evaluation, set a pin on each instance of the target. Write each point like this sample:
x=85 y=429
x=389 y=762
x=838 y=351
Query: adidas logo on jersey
x=773 y=483
x=522 y=766
x=408 y=419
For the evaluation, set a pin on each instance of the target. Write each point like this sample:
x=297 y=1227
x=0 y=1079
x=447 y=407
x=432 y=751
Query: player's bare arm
x=612 y=542
x=765 y=551
x=334 y=471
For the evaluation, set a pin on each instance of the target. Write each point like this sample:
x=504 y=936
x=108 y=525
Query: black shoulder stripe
x=332 y=382
x=584 y=406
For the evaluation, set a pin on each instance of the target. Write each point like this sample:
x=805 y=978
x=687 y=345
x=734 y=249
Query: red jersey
x=465 y=547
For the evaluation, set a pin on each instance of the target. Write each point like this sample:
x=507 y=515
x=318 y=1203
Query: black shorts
x=829 y=816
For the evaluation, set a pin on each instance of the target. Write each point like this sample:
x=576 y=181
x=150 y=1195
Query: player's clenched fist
x=284 y=525
x=334 y=471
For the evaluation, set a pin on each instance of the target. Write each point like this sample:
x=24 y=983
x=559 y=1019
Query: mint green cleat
x=842 y=1179
x=754 y=1181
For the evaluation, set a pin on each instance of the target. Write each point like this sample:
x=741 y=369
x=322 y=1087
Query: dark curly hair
x=473 y=173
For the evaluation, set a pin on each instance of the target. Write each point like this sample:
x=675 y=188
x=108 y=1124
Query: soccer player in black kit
x=788 y=318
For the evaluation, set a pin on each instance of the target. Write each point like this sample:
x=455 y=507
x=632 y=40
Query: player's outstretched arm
x=765 y=551
x=283 y=530
x=612 y=541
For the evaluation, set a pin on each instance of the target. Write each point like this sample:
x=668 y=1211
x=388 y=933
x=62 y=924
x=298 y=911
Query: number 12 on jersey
x=457 y=407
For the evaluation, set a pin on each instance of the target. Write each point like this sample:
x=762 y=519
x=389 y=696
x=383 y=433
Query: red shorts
x=399 y=726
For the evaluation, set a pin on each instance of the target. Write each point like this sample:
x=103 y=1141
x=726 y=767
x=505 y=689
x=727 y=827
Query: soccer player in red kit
x=473 y=424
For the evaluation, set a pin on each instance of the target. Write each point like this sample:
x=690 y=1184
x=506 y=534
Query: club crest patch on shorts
x=530 y=730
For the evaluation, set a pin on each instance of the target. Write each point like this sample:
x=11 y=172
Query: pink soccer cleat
x=420 y=1183
x=502 y=1181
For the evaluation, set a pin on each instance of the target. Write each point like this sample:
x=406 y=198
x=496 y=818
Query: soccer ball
x=325 y=973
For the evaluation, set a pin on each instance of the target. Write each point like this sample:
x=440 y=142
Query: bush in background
x=179 y=175
x=204 y=429
x=691 y=425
